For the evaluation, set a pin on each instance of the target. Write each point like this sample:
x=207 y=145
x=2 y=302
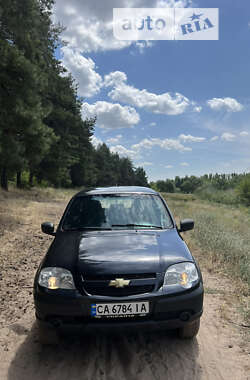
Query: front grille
x=139 y=284
x=118 y=292
x=127 y=276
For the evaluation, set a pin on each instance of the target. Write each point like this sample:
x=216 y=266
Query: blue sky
x=174 y=107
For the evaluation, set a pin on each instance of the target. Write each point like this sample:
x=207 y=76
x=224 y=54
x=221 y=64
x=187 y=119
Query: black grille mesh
x=118 y=292
x=140 y=284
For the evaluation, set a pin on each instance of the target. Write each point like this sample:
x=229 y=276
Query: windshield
x=113 y=211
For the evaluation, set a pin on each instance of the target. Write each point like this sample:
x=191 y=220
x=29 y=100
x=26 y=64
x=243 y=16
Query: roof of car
x=118 y=189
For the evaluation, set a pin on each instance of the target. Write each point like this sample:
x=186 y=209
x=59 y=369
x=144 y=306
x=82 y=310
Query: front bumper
x=58 y=308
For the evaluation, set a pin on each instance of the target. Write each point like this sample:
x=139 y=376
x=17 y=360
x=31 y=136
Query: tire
x=190 y=330
x=47 y=335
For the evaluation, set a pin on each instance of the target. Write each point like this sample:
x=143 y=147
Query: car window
x=117 y=211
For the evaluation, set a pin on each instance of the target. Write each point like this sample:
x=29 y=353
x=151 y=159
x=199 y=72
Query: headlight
x=183 y=274
x=56 y=278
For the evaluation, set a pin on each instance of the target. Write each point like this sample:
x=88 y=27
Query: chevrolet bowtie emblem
x=119 y=282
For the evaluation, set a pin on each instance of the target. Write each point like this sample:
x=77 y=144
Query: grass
x=18 y=205
x=38 y=194
x=213 y=291
x=209 y=193
x=222 y=236
x=180 y=197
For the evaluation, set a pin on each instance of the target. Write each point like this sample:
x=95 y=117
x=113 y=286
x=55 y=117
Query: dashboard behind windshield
x=110 y=211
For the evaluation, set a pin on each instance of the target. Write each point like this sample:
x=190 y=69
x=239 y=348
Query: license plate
x=119 y=309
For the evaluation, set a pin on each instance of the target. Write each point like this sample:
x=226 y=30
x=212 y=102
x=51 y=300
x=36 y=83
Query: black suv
x=118 y=259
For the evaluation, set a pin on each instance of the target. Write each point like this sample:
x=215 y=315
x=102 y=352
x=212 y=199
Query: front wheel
x=46 y=335
x=190 y=330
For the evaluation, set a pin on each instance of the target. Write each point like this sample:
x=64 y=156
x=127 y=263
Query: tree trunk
x=31 y=176
x=19 y=180
x=4 y=179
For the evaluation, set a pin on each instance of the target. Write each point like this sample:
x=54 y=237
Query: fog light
x=185 y=316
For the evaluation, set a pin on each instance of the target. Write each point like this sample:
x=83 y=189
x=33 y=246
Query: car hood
x=128 y=252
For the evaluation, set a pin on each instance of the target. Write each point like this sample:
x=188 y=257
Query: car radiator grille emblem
x=119 y=283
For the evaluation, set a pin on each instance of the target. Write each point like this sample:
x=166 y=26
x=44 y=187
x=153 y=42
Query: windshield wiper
x=136 y=225
x=81 y=228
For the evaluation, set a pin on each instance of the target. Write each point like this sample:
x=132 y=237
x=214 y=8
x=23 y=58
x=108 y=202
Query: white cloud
x=244 y=133
x=96 y=141
x=124 y=152
x=153 y=124
x=166 y=103
x=197 y=109
x=142 y=45
x=115 y=78
x=146 y=163
x=189 y=138
x=228 y=136
x=114 y=140
x=111 y=116
x=135 y=151
x=168 y=144
x=184 y=164
x=168 y=166
x=83 y=70
x=228 y=104
x=89 y=23
x=161 y=104
x=173 y=3
x=214 y=138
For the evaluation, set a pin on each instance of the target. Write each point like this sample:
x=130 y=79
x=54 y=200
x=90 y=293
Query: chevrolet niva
x=118 y=260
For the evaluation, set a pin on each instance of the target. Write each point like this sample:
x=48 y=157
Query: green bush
x=244 y=190
x=211 y=193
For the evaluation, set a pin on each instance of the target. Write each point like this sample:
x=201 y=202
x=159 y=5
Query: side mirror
x=48 y=228
x=186 y=225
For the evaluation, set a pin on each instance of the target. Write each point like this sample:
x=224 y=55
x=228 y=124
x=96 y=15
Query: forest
x=222 y=188
x=43 y=138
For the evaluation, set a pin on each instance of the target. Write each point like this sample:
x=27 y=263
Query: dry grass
x=220 y=238
x=19 y=207
x=37 y=194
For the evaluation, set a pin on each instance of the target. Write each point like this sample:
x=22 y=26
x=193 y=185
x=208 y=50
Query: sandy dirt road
x=218 y=353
